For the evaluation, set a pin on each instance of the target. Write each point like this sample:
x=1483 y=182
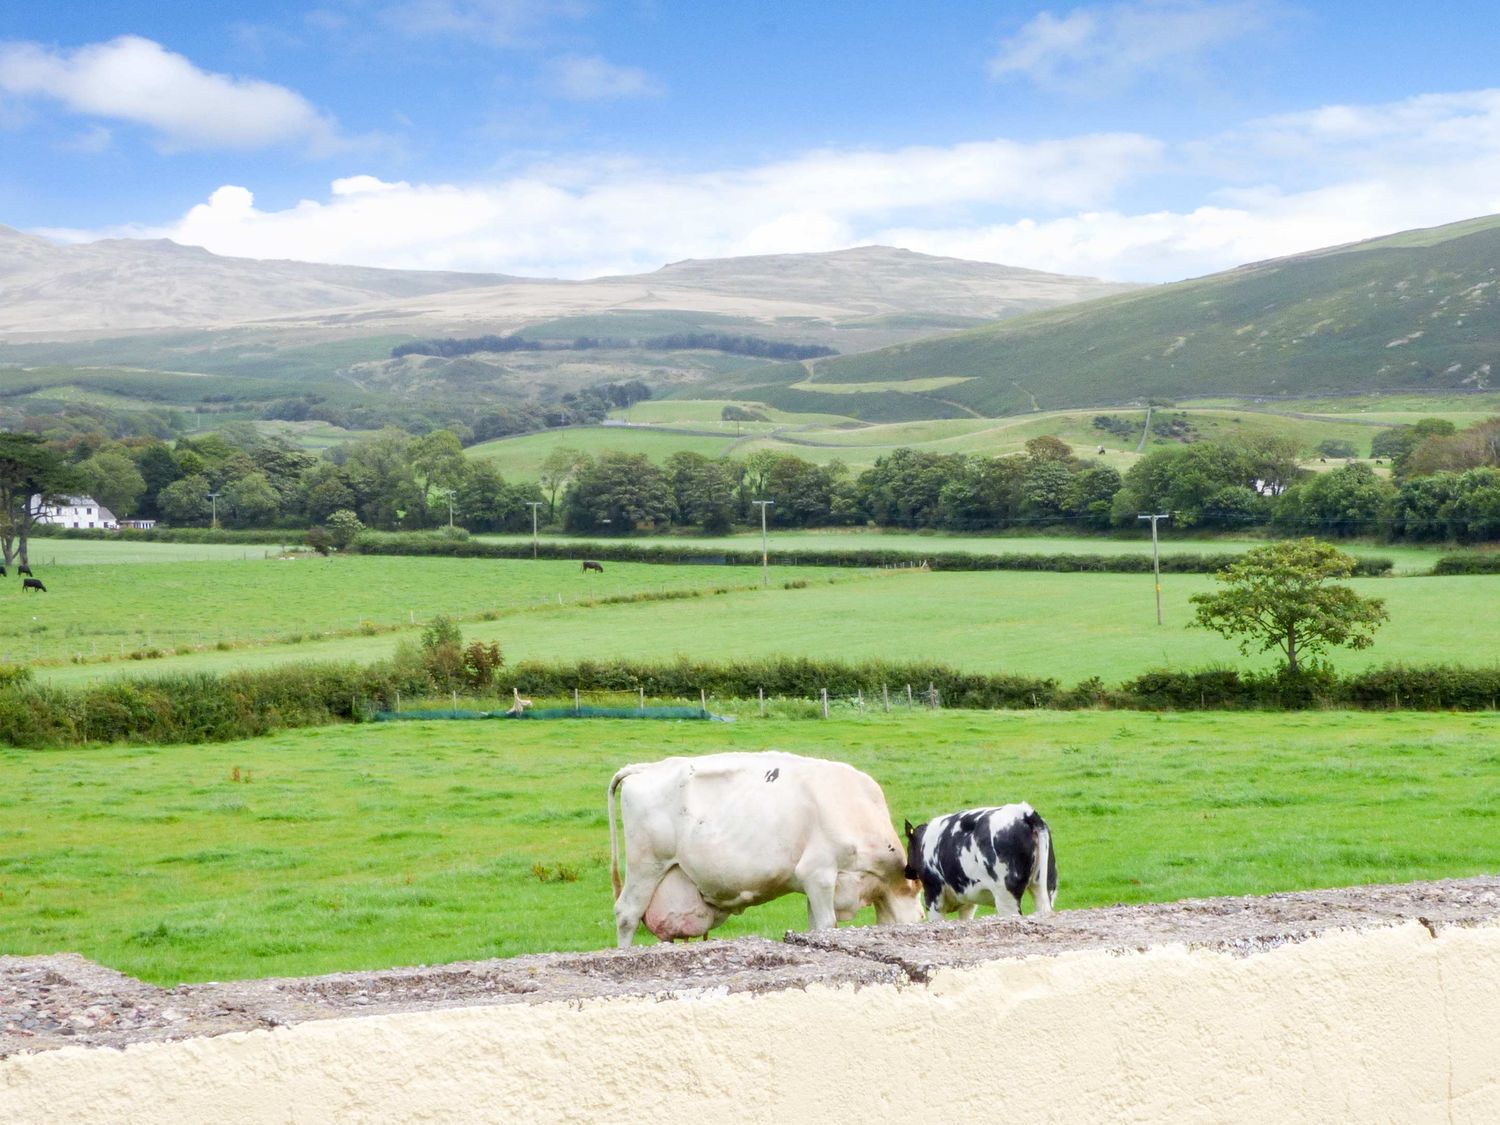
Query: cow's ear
x=909 y=829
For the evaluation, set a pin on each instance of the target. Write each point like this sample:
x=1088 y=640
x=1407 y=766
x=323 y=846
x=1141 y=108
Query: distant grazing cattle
x=32 y=584
x=2 y=572
x=707 y=837
x=590 y=564
x=983 y=855
x=1101 y=449
x=23 y=569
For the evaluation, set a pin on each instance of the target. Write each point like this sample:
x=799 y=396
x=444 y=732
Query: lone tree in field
x=1280 y=596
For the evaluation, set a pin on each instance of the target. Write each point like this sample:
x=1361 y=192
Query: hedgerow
x=200 y=707
x=427 y=544
x=1488 y=563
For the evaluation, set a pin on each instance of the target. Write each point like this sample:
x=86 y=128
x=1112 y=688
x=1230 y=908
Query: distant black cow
x=32 y=584
x=2 y=572
x=23 y=569
x=983 y=855
x=590 y=564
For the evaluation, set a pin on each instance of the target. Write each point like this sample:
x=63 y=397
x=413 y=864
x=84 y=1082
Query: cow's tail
x=1044 y=866
x=609 y=801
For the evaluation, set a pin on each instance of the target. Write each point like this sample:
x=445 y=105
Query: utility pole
x=214 y=499
x=765 y=572
x=534 y=505
x=1156 y=557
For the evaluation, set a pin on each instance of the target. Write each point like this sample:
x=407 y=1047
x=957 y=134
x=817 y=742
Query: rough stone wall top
x=63 y=1000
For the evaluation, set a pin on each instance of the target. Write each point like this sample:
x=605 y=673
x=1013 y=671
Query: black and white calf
x=983 y=855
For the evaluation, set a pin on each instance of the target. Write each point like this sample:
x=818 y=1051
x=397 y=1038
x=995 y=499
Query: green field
x=95 y=609
x=520 y=458
x=821 y=438
x=697 y=412
x=381 y=845
x=258 y=614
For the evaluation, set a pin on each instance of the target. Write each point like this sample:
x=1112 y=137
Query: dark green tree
x=619 y=493
x=29 y=468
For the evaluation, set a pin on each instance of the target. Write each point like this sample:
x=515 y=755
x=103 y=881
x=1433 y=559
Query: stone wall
x=1366 y=1004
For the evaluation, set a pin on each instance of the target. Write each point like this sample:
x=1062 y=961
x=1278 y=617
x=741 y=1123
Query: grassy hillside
x=1419 y=311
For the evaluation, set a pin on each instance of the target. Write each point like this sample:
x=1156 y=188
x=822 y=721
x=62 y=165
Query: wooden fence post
x=762 y=692
x=825 y=703
x=885 y=698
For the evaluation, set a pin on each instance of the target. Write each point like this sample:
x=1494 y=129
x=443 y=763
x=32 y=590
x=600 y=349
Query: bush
x=481 y=662
x=13 y=675
x=442 y=653
x=1468 y=564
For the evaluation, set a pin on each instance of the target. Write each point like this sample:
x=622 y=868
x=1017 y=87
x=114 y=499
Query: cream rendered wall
x=1389 y=1024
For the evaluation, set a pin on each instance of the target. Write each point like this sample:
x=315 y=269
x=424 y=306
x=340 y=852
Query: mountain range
x=51 y=291
x=918 y=336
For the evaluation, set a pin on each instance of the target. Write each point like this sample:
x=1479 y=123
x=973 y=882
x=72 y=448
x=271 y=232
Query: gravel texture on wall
x=1359 y=1003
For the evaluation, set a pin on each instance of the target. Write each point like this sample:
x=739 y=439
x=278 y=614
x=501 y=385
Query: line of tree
x=1445 y=487
x=449 y=347
x=472 y=422
x=1229 y=484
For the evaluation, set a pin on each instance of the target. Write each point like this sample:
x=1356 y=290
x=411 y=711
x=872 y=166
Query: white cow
x=707 y=837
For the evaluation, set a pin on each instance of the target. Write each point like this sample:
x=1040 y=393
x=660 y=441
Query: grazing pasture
x=112 y=610
x=372 y=846
x=1070 y=626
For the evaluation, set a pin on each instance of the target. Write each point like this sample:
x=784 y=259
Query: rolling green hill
x=1416 y=311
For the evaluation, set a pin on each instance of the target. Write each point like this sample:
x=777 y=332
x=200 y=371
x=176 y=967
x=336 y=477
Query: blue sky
x=1141 y=140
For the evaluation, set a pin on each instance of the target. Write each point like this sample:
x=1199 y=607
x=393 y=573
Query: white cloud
x=583 y=219
x=506 y=23
x=136 y=80
x=1286 y=184
x=589 y=78
x=1106 y=46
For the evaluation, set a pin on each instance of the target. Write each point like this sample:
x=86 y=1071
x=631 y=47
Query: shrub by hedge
x=795 y=677
x=199 y=707
x=290 y=536
x=1468 y=564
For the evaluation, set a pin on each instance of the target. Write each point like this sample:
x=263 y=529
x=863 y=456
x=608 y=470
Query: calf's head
x=914 y=850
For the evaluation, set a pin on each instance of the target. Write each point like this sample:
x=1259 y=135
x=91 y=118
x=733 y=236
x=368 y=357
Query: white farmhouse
x=74 y=511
